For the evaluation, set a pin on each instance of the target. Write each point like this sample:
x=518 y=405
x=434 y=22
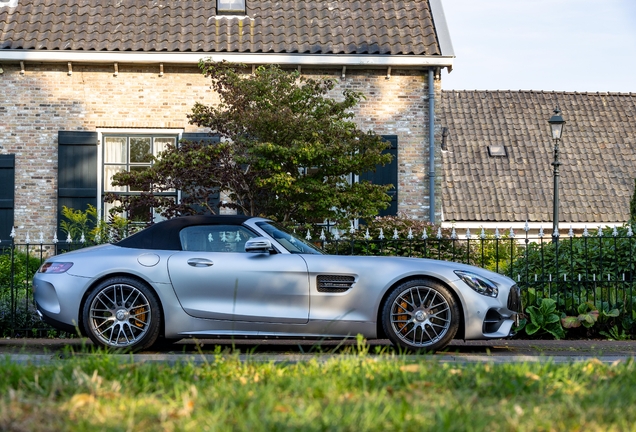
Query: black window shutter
x=76 y=172
x=214 y=199
x=7 y=194
x=387 y=174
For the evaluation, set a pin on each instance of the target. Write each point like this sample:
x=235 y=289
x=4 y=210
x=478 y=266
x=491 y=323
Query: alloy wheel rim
x=120 y=315
x=420 y=316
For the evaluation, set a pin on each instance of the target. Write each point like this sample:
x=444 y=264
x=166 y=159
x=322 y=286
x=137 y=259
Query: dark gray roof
x=597 y=152
x=293 y=26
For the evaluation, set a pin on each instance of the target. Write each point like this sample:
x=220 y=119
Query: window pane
x=157 y=216
x=109 y=172
x=108 y=207
x=231 y=5
x=140 y=150
x=162 y=143
x=140 y=214
x=137 y=169
x=115 y=150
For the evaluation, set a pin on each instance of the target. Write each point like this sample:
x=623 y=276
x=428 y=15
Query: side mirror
x=258 y=245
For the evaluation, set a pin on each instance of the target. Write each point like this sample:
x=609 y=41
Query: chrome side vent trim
x=334 y=283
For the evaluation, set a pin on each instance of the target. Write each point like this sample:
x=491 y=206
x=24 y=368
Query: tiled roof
x=597 y=153
x=292 y=26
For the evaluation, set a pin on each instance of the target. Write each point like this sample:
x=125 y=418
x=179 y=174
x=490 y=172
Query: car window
x=215 y=238
x=289 y=240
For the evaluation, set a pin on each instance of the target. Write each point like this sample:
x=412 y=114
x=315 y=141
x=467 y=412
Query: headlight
x=55 y=267
x=479 y=284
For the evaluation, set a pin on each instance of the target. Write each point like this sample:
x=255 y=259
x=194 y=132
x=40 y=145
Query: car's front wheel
x=421 y=315
x=122 y=313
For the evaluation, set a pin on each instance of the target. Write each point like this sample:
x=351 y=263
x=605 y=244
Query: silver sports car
x=210 y=276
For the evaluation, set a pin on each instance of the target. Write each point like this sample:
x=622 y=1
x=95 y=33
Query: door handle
x=200 y=262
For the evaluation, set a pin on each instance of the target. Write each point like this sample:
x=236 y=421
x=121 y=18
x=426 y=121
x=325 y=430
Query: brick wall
x=45 y=99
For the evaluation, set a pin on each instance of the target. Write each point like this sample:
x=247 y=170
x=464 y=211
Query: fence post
x=13 y=305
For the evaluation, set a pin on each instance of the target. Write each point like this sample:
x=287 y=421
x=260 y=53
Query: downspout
x=431 y=143
x=446 y=49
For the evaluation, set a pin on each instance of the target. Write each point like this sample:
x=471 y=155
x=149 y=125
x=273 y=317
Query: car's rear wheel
x=421 y=315
x=122 y=313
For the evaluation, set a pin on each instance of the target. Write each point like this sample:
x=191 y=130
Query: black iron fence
x=589 y=276
x=571 y=266
x=18 y=264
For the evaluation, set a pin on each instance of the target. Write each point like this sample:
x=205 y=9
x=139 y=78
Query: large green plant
x=87 y=225
x=544 y=319
x=287 y=151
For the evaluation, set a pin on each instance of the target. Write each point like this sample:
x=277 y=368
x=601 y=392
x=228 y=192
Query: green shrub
x=402 y=236
x=16 y=305
x=589 y=278
x=94 y=229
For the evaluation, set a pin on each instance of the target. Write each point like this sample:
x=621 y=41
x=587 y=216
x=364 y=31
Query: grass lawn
x=357 y=392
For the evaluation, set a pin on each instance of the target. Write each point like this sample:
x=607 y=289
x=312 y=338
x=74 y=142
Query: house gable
x=131 y=67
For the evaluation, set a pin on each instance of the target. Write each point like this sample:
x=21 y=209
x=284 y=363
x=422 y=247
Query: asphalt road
x=286 y=350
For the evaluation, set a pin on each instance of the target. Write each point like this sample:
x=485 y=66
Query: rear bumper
x=58 y=298
x=55 y=323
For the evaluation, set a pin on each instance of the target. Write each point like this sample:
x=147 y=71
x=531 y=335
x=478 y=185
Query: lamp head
x=556 y=124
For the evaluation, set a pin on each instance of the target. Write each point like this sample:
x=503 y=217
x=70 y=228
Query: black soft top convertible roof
x=165 y=235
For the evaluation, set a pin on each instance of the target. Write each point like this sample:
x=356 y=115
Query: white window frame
x=178 y=133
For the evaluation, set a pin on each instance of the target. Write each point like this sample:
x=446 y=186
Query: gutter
x=129 y=57
x=519 y=226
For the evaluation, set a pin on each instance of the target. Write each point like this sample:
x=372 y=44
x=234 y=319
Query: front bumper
x=488 y=317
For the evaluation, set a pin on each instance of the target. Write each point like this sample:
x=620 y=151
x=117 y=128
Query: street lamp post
x=556 y=129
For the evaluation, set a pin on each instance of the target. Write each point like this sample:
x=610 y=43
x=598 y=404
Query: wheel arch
x=378 y=321
x=120 y=274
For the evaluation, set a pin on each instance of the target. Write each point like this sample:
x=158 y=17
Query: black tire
x=421 y=315
x=122 y=313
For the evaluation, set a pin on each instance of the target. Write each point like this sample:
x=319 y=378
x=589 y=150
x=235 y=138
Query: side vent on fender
x=514 y=299
x=335 y=283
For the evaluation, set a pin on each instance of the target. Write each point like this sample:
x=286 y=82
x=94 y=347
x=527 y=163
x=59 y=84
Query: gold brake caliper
x=140 y=314
x=402 y=318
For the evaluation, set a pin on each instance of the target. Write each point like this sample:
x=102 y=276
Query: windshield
x=289 y=241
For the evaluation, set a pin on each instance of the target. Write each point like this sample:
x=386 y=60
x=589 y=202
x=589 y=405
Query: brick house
x=86 y=85
x=497 y=153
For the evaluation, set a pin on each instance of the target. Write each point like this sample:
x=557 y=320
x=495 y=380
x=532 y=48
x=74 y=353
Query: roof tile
x=597 y=153
x=292 y=26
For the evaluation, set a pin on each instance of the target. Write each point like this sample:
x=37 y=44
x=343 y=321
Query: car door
x=224 y=283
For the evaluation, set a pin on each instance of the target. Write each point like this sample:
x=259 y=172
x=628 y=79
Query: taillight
x=55 y=267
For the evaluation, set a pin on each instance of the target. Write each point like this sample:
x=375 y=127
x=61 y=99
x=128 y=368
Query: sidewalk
x=503 y=349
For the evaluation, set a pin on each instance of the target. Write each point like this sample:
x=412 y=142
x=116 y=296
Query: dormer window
x=234 y=7
x=498 y=150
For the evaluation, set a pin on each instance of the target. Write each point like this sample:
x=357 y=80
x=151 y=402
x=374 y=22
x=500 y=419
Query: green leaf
x=570 y=322
x=613 y=313
x=556 y=331
x=532 y=328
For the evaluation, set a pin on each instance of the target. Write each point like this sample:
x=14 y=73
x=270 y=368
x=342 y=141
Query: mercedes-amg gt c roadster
x=231 y=276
